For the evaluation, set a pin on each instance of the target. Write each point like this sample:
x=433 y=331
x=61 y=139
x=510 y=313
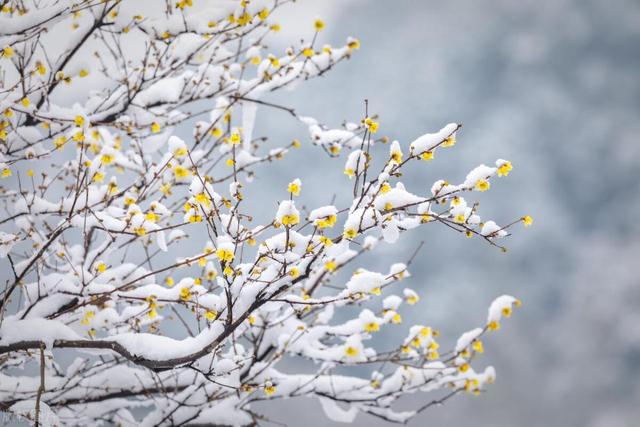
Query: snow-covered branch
x=103 y=203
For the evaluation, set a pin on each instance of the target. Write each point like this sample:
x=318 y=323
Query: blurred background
x=552 y=86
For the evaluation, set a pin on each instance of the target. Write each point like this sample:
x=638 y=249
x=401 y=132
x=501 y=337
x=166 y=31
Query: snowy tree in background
x=102 y=200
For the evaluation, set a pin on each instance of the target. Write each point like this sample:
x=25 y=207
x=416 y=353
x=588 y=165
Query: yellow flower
x=275 y=28
x=83 y=73
x=460 y=218
x=290 y=219
x=426 y=218
x=432 y=355
x=151 y=217
x=350 y=233
x=30 y=172
x=169 y=281
x=25 y=102
x=494 y=325
x=527 y=220
x=89 y=314
x=269 y=390
x=251 y=319
x=354 y=44
x=396 y=156
x=330 y=265
x=7 y=52
x=471 y=385
x=294 y=272
x=334 y=150
x=181 y=4
x=59 y=142
x=185 y=294
x=165 y=189
x=155 y=127
x=318 y=24
x=140 y=231
x=79 y=121
x=210 y=315
x=275 y=62
x=376 y=291
x=426 y=331
x=181 y=172
x=427 y=155
x=307 y=51
x=396 y=319
x=450 y=141
x=230 y=162
x=464 y=367
x=504 y=169
x=235 y=138
x=385 y=188
x=506 y=312
x=202 y=262
x=351 y=351
x=225 y=255
x=112 y=187
x=326 y=241
x=203 y=199
x=6 y=172
x=294 y=188
x=180 y=152
x=216 y=132
x=372 y=327
x=98 y=177
x=482 y=185
x=349 y=172
x=412 y=299
x=263 y=14
x=329 y=222
x=477 y=346
x=295 y=143
x=106 y=159
x=78 y=136
x=244 y=19
x=101 y=267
